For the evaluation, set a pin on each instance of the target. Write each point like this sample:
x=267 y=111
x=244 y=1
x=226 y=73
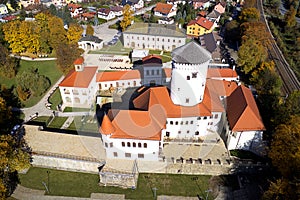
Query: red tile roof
x=73 y=6
x=201 y=21
x=79 y=79
x=133 y=124
x=106 y=126
x=118 y=75
x=79 y=61
x=159 y=97
x=219 y=73
x=152 y=59
x=221 y=87
x=242 y=111
x=163 y=8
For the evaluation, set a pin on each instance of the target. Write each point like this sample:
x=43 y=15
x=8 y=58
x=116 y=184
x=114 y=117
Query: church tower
x=189 y=69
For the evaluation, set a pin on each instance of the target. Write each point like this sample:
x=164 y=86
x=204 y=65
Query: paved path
x=40 y=107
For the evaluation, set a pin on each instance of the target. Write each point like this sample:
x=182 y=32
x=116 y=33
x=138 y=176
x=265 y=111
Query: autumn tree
x=74 y=33
x=66 y=55
x=290 y=17
x=57 y=32
x=127 y=17
x=250 y=54
x=8 y=64
x=256 y=31
x=12 y=36
x=89 y=30
x=285 y=156
x=44 y=33
x=249 y=14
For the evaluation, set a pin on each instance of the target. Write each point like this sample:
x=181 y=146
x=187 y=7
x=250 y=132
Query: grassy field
x=55 y=99
x=83 y=184
x=117 y=49
x=46 y=68
x=57 y=122
x=84 y=124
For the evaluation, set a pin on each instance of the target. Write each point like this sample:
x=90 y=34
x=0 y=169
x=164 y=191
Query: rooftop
x=191 y=53
x=163 y=8
x=155 y=29
x=79 y=79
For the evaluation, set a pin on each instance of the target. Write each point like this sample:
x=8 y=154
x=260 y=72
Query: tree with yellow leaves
x=74 y=33
x=41 y=20
x=127 y=17
x=57 y=32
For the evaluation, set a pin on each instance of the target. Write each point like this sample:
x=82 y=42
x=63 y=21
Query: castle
x=184 y=103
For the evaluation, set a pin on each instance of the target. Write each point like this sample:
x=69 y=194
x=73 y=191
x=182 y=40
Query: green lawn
x=71 y=109
x=84 y=124
x=57 y=122
x=83 y=184
x=46 y=68
x=117 y=49
x=41 y=119
x=55 y=99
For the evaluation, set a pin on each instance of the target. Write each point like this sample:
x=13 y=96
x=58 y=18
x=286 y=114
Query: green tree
x=127 y=17
x=89 y=30
x=8 y=64
x=290 y=17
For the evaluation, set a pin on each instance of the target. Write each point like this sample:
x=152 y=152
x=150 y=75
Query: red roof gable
x=205 y=23
x=163 y=8
x=81 y=79
x=118 y=75
x=242 y=112
x=79 y=61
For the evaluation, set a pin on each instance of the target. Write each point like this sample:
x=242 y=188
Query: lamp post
x=48 y=174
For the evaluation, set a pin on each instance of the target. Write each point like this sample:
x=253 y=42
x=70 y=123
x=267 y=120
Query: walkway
x=40 y=107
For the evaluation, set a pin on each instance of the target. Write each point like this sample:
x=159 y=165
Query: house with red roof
x=106 y=13
x=199 y=26
x=78 y=88
x=202 y=4
x=75 y=10
x=165 y=10
x=220 y=7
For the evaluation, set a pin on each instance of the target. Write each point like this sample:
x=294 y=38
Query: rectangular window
x=186 y=122
x=192 y=122
x=216 y=116
x=187 y=131
x=157 y=39
x=157 y=72
x=179 y=132
x=139 y=145
x=145 y=145
x=181 y=123
x=187 y=100
x=128 y=155
x=176 y=123
x=111 y=144
x=134 y=144
x=188 y=78
x=106 y=145
x=115 y=154
x=171 y=122
x=123 y=144
x=140 y=155
x=128 y=144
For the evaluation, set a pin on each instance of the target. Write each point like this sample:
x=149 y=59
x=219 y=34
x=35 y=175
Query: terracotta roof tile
x=221 y=87
x=79 y=79
x=205 y=23
x=106 y=126
x=152 y=59
x=163 y=8
x=79 y=61
x=242 y=111
x=223 y=72
x=118 y=75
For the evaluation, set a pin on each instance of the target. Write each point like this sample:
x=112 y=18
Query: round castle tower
x=189 y=69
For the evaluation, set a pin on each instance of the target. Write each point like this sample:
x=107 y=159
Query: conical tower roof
x=191 y=53
x=107 y=127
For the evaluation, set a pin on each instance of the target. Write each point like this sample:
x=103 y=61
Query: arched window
x=134 y=144
x=128 y=144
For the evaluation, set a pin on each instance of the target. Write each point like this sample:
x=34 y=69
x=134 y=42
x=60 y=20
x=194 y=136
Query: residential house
x=117 y=10
x=164 y=10
x=134 y=4
x=3 y=9
x=166 y=20
x=106 y=13
x=210 y=42
x=214 y=16
x=198 y=27
x=75 y=10
x=220 y=7
x=153 y=36
x=88 y=16
x=202 y=4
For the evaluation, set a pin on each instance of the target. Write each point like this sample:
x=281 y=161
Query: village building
x=153 y=36
x=166 y=20
x=202 y=4
x=106 y=13
x=90 y=42
x=198 y=27
x=164 y=10
x=75 y=10
x=134 y=4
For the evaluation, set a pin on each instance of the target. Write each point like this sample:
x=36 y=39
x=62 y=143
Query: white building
x=78 y=88
x=153 y=36
x=90 y=42
x=160 y=117
x=165 y=20
x=134 y=4
x=3 y=9
x=75 y=10
x=106 y=13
